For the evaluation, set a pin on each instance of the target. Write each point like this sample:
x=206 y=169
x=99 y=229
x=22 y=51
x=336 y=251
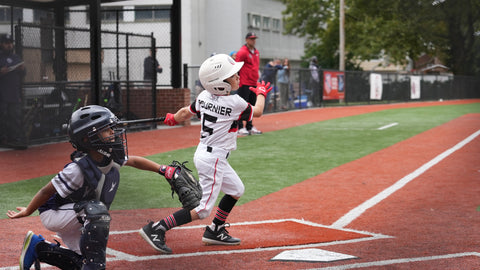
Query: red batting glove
x=262 y=88
x=170 y=120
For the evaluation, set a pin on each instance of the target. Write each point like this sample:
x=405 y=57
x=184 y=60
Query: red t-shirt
x=249 y=72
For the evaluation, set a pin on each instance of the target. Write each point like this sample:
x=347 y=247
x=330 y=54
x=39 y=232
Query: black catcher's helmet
x=84 y=130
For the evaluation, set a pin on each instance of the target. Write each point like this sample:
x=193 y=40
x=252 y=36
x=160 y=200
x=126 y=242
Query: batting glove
x=262 y=88
x=170 y=120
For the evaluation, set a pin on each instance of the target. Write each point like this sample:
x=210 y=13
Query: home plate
x=311 y=255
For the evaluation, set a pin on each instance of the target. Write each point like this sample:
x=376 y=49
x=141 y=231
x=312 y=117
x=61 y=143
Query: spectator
x=314 y=83
x=12 y=71
x=284 y=84
x=233 y=54
x=248 y=78
x=150 y=65
x=270 y=75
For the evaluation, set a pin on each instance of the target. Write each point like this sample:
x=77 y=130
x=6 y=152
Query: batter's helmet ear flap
x=224 y=87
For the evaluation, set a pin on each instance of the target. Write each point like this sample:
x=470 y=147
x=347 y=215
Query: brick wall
x=168 y=101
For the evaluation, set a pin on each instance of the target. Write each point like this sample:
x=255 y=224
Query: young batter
x=75 y=203
x=220 y=113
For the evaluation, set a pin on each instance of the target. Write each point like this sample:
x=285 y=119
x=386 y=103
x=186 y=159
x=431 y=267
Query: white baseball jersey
x=220 y=116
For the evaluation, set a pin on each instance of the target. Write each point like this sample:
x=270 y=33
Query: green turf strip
x=272 y=161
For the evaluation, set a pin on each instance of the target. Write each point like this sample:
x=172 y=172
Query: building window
x=5 y=15
x=152 y=13
x=254 y=21
x=109 y=14
x=42 y=15
x=266 y=23
x=276 y=25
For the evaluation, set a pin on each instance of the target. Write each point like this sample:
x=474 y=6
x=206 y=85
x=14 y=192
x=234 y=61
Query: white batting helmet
x=215 y=70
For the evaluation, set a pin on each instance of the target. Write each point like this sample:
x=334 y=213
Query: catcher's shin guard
x=93 y=242
x=57 y=256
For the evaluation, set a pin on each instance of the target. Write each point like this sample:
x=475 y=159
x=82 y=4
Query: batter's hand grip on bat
x=170 y=120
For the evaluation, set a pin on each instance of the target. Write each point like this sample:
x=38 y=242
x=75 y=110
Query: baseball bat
x=140 y=121
x=128 y=122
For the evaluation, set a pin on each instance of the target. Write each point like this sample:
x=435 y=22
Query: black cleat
x=219 y=237
x=155 y=237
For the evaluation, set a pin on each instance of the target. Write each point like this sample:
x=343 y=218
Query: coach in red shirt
x=248 y=78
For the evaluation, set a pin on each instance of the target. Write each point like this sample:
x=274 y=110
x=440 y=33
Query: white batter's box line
x=271 y=221
x=121 y=256
x=399 y=261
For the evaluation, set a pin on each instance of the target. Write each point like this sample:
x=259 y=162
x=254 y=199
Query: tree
x=399 y=29
x=462 y=19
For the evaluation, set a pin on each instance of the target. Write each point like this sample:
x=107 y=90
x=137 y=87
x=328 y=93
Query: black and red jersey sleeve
x=247 y=114
x=193 y=109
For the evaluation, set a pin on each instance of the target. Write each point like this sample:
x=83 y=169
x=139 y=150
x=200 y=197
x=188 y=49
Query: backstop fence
x=57 y=81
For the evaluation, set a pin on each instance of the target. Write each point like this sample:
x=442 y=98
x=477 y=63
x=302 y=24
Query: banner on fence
x=376 y=86
x=415 y=87
x=333 y=85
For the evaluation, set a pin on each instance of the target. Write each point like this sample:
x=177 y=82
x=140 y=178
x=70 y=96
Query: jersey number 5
x=205 y=128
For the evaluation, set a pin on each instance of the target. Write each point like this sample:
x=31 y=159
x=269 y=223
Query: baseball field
x=392 y=186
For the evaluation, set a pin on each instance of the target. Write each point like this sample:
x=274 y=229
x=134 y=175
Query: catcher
x=220 y=113
x=75 y=203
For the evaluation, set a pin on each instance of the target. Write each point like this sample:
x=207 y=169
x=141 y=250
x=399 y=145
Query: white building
x=220 y=26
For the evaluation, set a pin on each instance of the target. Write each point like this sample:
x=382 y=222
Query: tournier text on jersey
x=215 y=108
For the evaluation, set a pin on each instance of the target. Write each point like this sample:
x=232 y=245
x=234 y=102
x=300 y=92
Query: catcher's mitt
x=185 y=185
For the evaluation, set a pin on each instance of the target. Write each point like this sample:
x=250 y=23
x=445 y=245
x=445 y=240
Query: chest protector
x=96 y=185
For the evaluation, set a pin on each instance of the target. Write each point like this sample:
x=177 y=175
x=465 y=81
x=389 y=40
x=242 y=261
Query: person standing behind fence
x=248 y=78
x=150 y=66
x=12 y=71
x=270 y=75
x=283 y=78
x=233 y=54
x=314 y=83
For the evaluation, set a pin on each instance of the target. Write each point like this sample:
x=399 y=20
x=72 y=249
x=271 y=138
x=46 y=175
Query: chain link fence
x=356 y=90
x=58 y=65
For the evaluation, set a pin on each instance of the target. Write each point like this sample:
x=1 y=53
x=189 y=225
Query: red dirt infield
x=430 y=223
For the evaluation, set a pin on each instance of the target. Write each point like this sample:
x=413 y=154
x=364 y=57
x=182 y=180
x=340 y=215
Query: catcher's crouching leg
x=57 y=256
x=93 y=244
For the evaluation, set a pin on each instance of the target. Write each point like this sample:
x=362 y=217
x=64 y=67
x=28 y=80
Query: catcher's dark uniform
x=77 y=182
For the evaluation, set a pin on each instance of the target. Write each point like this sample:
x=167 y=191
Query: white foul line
x=357 y=211
x=387 y=126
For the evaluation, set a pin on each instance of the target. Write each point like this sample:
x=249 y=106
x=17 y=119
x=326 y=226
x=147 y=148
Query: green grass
x=274 y=160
